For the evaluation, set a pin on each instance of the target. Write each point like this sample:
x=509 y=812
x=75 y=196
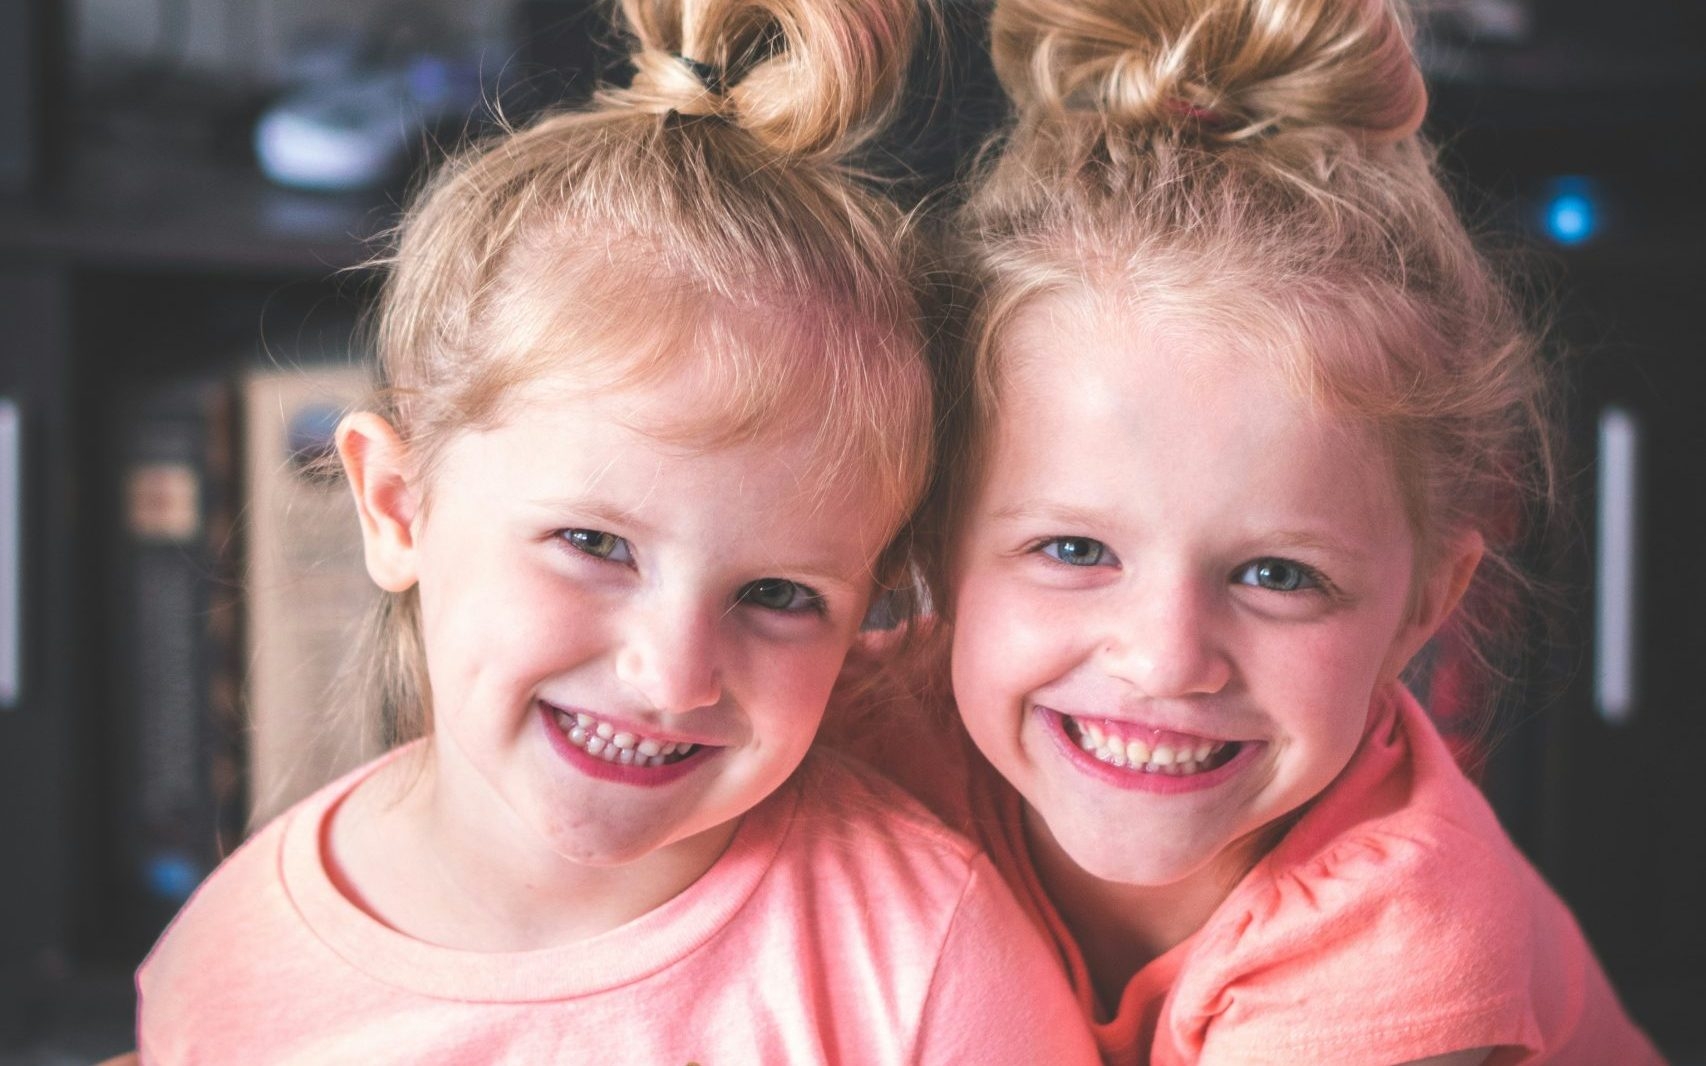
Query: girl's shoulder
x=240 y=936
x=242 y=893
x=849 y=806
x=1401 y=824
x=858 y=844
x=1401 y=855
x=1401 y=915
x=1417 y=908
x=868 y=868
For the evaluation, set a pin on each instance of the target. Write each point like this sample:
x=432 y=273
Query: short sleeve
x=997 y=995
x=1385 y=949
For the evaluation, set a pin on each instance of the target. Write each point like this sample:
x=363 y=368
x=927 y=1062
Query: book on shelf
x=171 y=703
x=306 y=587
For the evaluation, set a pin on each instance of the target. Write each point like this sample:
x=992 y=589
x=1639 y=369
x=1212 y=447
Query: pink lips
x=1054 y=724
x=593 y=766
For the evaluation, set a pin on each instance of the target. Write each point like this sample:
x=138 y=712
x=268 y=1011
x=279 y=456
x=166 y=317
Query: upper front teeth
x=628 y=749
x=1138 y=755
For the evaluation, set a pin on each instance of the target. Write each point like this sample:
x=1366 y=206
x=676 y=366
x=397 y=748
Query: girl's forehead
x=690 y=408
x=1080 y=335
x=708 y=363
x=1210 y=352
x=677 y=408
x=1118 y=389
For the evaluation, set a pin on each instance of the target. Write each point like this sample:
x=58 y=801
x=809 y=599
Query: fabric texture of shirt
x=843 y=924
x=1394 y=921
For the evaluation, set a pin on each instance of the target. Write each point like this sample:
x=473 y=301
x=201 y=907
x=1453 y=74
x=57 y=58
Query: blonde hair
x=705 y=208
x=1254 y=168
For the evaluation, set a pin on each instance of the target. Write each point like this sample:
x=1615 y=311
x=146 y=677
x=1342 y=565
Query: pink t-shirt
x=1394 y=921
x=842 y=925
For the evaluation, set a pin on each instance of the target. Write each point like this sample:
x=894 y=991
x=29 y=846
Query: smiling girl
x=1244 y=417
x=657 y=412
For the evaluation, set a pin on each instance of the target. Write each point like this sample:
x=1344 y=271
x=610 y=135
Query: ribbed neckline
x=634 y=951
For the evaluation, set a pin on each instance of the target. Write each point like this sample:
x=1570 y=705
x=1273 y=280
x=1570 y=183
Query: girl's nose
x=1166 y=644
x=668 y=655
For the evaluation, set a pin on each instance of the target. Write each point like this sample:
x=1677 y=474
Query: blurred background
x=189 y=190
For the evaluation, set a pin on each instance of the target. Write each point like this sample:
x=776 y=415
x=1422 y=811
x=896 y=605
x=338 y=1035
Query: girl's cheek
x=1005 y=628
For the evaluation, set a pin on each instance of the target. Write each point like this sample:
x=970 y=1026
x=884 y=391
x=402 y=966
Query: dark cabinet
x=124 y=273
x=1594 y=765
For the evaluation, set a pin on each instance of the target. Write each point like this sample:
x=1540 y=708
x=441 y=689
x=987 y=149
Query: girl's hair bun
x=805 y=77
x=1231 y=68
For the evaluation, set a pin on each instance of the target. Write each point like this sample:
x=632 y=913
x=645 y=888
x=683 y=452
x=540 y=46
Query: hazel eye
x=1278 y=575
x=780 y=594
x=1076 y=551
x=599 y=544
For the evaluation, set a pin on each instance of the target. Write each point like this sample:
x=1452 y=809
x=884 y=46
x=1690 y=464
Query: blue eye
x=1278 y=575
x=780 y=594
x=599 y=544
x=1076 y=551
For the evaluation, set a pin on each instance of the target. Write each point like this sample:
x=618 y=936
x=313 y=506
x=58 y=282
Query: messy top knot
x=1229 y=69
x=804 y=78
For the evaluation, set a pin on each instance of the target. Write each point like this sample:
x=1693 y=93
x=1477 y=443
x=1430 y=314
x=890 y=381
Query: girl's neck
x=1120 y=928
x=460 y=875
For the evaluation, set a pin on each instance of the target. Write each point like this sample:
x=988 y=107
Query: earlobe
x=376 y=463
x=1438 y=596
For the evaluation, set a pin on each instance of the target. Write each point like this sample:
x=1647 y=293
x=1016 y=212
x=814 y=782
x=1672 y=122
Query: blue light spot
x=171 y=876
x=1572 y=214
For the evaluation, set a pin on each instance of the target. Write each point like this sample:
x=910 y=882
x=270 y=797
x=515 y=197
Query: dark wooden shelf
x=152 y=211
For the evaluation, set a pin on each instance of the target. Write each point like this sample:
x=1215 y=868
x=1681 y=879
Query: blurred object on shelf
x=175 y=658
x=1570 y=211
x=306 y=584
x=1470 y=21
x=1565 y=46
x=362 y=108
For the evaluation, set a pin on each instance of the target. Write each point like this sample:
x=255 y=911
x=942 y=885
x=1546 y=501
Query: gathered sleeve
x=1385 y=948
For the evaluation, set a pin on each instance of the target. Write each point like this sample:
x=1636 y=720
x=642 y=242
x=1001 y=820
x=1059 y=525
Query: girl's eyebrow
x=1069 y=516
x=824 y=570
x=823 y=578
x=1312 y=541
x=593 y=509
x=1044 y=510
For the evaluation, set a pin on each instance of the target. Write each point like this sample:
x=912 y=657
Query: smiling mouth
x=1172 y=754
x=604 y=741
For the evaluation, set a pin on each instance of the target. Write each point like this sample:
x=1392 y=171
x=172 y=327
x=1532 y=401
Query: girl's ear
x=1436 y=598
x=376 y=463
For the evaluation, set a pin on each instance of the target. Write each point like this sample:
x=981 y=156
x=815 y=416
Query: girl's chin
x=1142 y=860
x=612 y=847
x=1145 y=869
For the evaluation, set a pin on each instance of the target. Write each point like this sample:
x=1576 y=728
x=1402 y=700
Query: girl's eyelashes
x=770 y=593
x=1280 y=575
x=1269 y=572
x=1076 y=551
x=780 y=594
x=599 y=544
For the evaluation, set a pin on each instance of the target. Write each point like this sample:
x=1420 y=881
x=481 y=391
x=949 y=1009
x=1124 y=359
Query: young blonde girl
x=1243 y=419
x=656 y=413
